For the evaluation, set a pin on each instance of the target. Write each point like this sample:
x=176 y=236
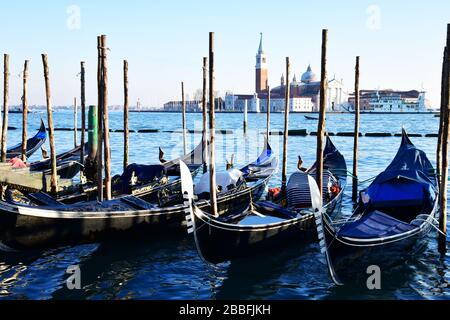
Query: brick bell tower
x=260 y=70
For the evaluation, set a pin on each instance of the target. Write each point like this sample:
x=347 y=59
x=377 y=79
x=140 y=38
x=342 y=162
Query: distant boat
x=311 y=118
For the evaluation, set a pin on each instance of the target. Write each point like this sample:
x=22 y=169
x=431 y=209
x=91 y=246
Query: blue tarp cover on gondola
x=406 y=180
x=399 y=191
x=409 y=162
x=374 y=225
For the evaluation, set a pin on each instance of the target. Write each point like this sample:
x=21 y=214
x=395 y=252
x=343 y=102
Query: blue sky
x=400 y=44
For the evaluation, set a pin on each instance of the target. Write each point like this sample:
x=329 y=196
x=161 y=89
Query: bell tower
x=260 y=69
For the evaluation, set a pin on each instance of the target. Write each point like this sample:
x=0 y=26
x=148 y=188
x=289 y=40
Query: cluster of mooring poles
x=98 y=161
x=98 y=123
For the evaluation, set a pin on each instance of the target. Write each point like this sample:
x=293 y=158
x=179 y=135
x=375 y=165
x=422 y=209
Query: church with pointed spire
x=304 y=94
x=261 y=70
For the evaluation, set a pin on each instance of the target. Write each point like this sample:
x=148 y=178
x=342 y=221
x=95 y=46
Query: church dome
x=309 y=76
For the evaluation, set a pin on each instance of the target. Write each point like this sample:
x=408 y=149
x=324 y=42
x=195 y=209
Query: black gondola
x=393 y=215
x=143 y=181
x=33 y=144
x=311 y=118
x=45 y=222
x=150 y=180
x=268 y=224
x=67 y=163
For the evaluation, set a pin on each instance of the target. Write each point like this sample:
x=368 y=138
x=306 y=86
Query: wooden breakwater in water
x=292 y=132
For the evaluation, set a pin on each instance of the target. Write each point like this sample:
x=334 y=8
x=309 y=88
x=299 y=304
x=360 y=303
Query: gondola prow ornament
x=187 y=188
x=316 y=201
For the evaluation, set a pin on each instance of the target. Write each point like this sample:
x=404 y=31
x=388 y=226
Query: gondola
x=267 y=225
x=311 y=118
x=67 y=163
x=150 y=180
x=394 y=214
x=37 y=220
x=33 y=144
x=140 y=180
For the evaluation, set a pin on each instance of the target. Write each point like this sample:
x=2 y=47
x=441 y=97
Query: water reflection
x=171 y=269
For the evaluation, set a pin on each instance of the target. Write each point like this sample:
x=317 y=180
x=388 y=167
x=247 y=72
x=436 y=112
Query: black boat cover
x=143 y=173
x=333 y=160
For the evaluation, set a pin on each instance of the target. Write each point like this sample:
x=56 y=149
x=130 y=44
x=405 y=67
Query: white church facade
x=304 y=94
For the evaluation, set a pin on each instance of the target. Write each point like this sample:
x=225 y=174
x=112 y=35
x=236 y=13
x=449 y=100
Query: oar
x=316 y=201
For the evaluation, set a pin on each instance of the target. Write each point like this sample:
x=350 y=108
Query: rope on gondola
x=360 y=182
x=434 y=226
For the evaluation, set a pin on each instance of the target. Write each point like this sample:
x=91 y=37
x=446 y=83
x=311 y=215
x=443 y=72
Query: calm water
x=171 y=269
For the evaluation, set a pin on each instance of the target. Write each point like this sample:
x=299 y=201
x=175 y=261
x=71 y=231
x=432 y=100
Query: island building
x=304 y=94
x=390 y=101
x=192 y=105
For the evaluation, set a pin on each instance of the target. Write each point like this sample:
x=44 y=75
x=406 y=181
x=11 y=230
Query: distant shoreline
x=306 y=113
x=232 y=112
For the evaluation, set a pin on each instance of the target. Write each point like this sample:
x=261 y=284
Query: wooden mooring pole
x=268 y=111
x=5 y=107
x=245 y=115
x=183 y=111
x=287 y=96
x=100 y=120
x=51 y=134
x=445 y=106
x=25 y=111
x=107 y=150
x=83 y=110
x=204 y=113
x=441 y=119
x=322 y=110
x=356 y=138
x=125 y=115
x=75 y=122
x=212 y=130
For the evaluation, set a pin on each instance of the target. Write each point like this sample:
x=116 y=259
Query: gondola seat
x=252 y=220
x=298 y=190
x=375 y=224
x=274 y=209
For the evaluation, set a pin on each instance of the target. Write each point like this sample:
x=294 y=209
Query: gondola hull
x=395 y=214
x=219 y=242
x=352 y=259
x=269 y=225
x=25 y=229
x=33 y=144
x=67 y=164
x=68 y=170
